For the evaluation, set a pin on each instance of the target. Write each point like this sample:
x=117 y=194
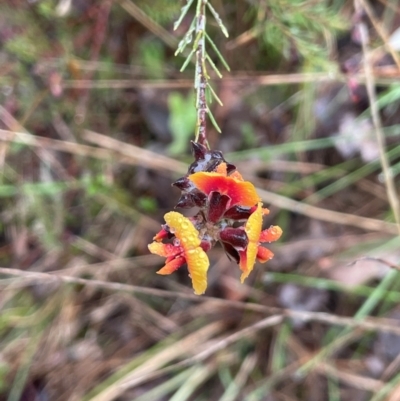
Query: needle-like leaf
x=218 y=19
x=184 y=11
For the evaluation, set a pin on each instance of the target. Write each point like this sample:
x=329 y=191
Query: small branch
x=119 y=152
x=369 y=323
x=201 y=74
x=379 y=27
x=201 y=77
x=235 y=81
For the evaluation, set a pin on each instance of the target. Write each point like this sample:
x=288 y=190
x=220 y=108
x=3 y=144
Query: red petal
x=244 y=266
x=241 y=192
x=238 y=213
x=217 y=206
x=161 y=235
x=171 y=266
x=235 y=237
x=264 y=254
x=271 y=234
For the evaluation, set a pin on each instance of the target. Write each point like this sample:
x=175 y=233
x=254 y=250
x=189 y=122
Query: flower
x=185 y=249
x=240 y=192
x=230 y=212
x=243 y=243
x=255 y=236
x=220 y=194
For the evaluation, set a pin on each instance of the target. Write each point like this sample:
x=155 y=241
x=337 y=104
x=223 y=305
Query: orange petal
x=270 y=234
x=165 y=250
x=198 y=264
x=241 y=192
x=171 y=266
x=237 y=176
x=183 y=229
x=253 y=230
x=222 y=169
x=264 y=254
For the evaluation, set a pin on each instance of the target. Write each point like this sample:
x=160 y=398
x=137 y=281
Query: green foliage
x=95 y=183
x=182 y=119
x=46 y=8
x=161 y=11
x=153 y=58
x=22 y=47
x=279 y=358
x=298 y=25
x=147 y=204
x=390 y=96
x=28 y=40
x=249 y=135
x=4 y=370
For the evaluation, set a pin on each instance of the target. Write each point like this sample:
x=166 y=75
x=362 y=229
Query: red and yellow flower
x=185 y=249
x=230 y=212
x=255 y=236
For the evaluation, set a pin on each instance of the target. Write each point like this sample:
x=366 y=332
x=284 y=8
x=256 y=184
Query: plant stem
x=201 y=75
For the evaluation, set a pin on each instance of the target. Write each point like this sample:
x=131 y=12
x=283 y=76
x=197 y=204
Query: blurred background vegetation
x=95 y=123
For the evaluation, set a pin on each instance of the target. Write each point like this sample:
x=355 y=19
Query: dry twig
x=370 y=83
x=376 y=324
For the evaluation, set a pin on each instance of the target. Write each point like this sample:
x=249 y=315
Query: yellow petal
x=165 y=250
x=254 y=224
x=253 y=230
x=196 y=258
x=198 y=264
x=183 y=229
